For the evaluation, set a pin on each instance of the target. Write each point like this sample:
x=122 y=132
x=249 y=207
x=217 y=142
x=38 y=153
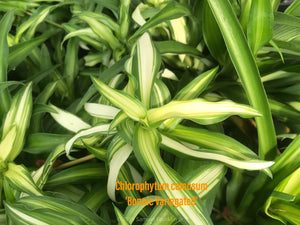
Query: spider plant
x=98 y=93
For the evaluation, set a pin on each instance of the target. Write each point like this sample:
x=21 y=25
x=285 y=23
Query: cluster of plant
x=99 y=92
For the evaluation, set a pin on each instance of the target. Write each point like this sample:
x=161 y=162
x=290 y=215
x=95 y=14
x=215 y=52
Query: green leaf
x=18 y=6
x=288 y=161
x=285 y=211
x=124 y=19
x=196 y=86
x=146 y=150
x=41 y=175
x=19 y=178
x=245 y=12
x=283 y=196
x=37 y=17
x=120 y=216
x=132 y=211
x=212 y=140
x=101 y=111
x=42 y=98
x=95 y=198
x=171 y=11
x=68 y=120
x=260 y=24
x=86 y=35
x=145 y=65
x=180 y=149
x=6 y=84
x=192 y=90
x=102 y=30
x=160 y=94
x=42 y=108
x=37 y=143
x=175 y=47
x=103 y=18
x=20 y=51
x=50 y=210
x=18 y=115
x=131 y=106
x=199 y=109
x=87 y=172
x=247 y=70
x=100 y=153
x=22 y=216
x=100 y=129
x=7 y=143
x=115 y=164
x=215 y=140
x=213 y=36
x=71 y=63
x=5 y=24
x=293 y=9
x=210 y=174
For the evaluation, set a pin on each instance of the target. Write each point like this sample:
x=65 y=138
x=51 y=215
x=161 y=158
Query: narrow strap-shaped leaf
x=212 y=35
x=196 y=86
x=37 y=17
x=7 y=142
x=171 y=46
x=101 y=111
x=78 y=174
x=68 y=120
x=146 y=144
x=120 y=117
x=290 y=185
x=137 y=14
x=145 y=65
x=20 y=51
x=6 y=84
x=246 y=68
x=245 y=12
x=37 y=143
x=103 y=18
x=100 y=129
x=275 y=4
x=104 y=32
x=124 y=18
x=71 y=64
x=260 y=25
x=115 y=165
x=293 y=8
x=19 y=178
x=210 y=174
x=41 y=175
x=199 y=109
x=95 y=198
x=20 y=215
x=190 y=91
x=212 y=140
x=178 y=148
x=5 y=25
x=261 y=187
x=42 y=98
x=86 y=35
x=131 y=106
x=59 y=208
x=121 y=219
x=160 y=94
x=132 y=211
x=285 y=212
x=19 y=115
x=172 y=11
